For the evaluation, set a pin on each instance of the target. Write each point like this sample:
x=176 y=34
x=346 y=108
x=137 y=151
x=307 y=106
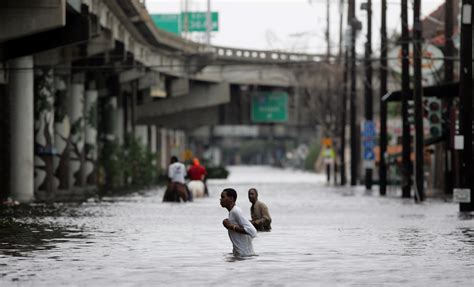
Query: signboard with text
x=269 y=107
x=168 y=22
x=176 y=23
x=368 y=143
x=197 y=21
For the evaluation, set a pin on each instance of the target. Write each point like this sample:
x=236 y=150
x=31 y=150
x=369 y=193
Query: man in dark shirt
x=259 y=211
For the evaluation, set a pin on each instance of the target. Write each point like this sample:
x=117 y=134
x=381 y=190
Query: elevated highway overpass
x=77 y=75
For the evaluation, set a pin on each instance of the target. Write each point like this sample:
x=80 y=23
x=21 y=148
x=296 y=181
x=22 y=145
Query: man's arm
x=265 y=215
x=244 y=226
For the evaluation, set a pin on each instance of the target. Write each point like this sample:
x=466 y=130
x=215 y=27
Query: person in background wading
x=176 y=188
x=198 y=172
x=261 y=219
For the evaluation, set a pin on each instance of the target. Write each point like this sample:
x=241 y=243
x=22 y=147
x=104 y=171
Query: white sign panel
x=236 y=131
x=458 y=142
x=462 y=195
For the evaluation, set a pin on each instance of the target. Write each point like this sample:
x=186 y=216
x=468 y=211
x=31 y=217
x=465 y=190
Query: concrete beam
x=19 y=18
x=102 y=43
x=179 y=87
x=202 y=96
x=189 y=120
x=131 y=75
x=263 y=75
x=76 y=31
x=150 y=79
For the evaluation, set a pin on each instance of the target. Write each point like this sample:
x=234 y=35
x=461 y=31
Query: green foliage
x=140 y=164
x=394 y=110
x=121 y=165
x=314 y=150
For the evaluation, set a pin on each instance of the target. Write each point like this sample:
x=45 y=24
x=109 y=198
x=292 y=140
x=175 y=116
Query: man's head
x=174 y=159
x=196 y=161
x=228 y=198
x=253 y=195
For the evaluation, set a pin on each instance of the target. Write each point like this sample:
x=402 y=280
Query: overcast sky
x=289 y=25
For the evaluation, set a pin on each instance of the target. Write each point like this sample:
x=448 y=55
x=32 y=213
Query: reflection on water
x=20 y=238
x=321 y=235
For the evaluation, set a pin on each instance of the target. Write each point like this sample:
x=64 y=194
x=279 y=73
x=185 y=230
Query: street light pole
x=466 y=103
x=383 y=105
x=353 y=91
x=406 y=147
x=418 y=99
x=342 y=147
x=448 y=78
x=368 y=86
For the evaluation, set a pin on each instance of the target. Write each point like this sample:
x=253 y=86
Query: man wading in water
x=261 y=219
x=241 y=231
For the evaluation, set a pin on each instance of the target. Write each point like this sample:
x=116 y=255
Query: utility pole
x=418 y=98
x=383 y=105
x=328 y=23
x=342 y=147
x=368 y=86
x=341 y=20
x=466 y=94
x=208 y=24
x=353 y=90
x=406 y=146
x=186 y=20
x=343 y=119
x=448 y=78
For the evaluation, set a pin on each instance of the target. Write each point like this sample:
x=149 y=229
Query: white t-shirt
x=177 y=172
x=242 y=243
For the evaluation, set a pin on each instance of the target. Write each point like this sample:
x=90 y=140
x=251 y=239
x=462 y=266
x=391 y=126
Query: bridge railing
x=227 y=53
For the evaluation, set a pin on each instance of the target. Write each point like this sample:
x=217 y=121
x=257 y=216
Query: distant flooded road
x=322 y=235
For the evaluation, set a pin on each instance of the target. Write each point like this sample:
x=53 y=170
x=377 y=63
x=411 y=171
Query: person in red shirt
x=198 y=172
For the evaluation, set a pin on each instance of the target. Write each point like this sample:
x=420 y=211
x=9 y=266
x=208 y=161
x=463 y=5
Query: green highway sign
x=197 y=21
x=269 y=107
x=168 y=22
x=176 y=23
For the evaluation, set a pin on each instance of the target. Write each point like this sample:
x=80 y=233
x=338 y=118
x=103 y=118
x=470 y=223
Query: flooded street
x=322 y=235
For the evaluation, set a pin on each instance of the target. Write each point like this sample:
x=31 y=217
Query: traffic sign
x=369 y=129
x=176 y=23
x=369 y=154
x=197 y=21
x=368 y=143
x=269 y=107
x=168 y=22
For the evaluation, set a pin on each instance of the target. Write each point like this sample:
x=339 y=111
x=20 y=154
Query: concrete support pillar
x=62 y=130
x=109 y=143
x=21 y=128
x=120 y=125
x=164 y=149
x=173 y=143
x=114 y=129
x=4 y=144
x=44 y=133
x=152 y=136
x=91 y=147
x=76 y=114
x=141 y=134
